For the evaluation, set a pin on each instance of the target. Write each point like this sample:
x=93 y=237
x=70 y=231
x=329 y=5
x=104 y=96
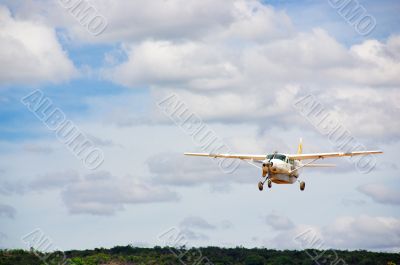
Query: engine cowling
x=265 y=168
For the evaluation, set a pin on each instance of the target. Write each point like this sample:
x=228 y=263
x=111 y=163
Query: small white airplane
x=284 y=168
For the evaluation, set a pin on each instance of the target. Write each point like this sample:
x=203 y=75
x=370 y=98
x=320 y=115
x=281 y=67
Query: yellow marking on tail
x=300 y=148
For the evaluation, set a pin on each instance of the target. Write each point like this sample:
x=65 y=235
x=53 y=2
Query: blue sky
x=240 y=66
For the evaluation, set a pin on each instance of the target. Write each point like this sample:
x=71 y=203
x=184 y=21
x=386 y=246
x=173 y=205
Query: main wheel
x=260 y=186
x=302 y=185
x=269 y=183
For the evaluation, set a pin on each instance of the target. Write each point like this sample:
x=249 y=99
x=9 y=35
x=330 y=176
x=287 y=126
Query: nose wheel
x=261 y=184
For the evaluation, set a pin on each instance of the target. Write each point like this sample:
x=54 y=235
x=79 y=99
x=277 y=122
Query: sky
x=239 y=67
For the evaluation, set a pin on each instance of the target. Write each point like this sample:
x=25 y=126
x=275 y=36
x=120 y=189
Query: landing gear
x=260 y=186
x=302 y=185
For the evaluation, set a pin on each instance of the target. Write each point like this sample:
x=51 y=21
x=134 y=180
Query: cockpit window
x=276 y=156
x=280 y=157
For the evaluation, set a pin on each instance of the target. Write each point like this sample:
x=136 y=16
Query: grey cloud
x=7 y=211
x=196 y=222
x=176 y=169
x=98 y=193
x=105 y=194
x=57 y=180
x=102 y=142
x=278 y=222
x=9 y=188
x=226 y=224
x=189 y=234
x=190 y=227
x=381 y=193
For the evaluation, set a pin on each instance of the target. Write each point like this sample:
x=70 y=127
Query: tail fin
x=300 y=148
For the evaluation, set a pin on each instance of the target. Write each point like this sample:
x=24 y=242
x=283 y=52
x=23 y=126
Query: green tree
x=254 y=260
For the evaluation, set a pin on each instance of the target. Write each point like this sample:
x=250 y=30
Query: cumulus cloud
x=56 y=180
x=31 y=52
x=255 y=75
x=104 y=194
x=360 y=232
x=247 y=55
x=381 y=193
x=10 y=188
x=193 y=227
x=380 y=233
x=278 y=222
x=7 y=211
x=189 y=234
x=176 y=169
x=98 y=193
x=177 y=63
x=196 y=222
x=136 y=20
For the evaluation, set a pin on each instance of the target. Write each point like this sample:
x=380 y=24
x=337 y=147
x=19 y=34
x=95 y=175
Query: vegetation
x=129 y=255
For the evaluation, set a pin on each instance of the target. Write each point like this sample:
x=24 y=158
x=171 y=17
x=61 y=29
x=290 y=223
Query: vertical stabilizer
x=300 y=148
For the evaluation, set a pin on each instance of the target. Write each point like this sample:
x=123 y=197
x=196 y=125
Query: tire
x=269 y=183
x=260 y=186
x=302 y=185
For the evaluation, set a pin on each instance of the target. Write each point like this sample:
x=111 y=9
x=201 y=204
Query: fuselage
x=282 y=170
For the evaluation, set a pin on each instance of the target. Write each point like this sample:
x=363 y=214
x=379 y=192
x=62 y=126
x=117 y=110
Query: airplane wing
x=330 y=155
x=319 y=165
x=238 y=156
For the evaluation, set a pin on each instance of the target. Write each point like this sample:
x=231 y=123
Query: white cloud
x=381 y=193
x=136 y=20
x=237 y=61
x=165 y=62
x=233 y=77
x=360 y=232
x=366 y=232
x=30 y=52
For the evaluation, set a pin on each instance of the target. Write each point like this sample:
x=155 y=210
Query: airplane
x=284 y=168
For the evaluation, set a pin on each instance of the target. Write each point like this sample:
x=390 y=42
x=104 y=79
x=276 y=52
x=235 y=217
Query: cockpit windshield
x=276 y=156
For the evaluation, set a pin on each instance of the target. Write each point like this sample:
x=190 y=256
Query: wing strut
x=303 y=165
